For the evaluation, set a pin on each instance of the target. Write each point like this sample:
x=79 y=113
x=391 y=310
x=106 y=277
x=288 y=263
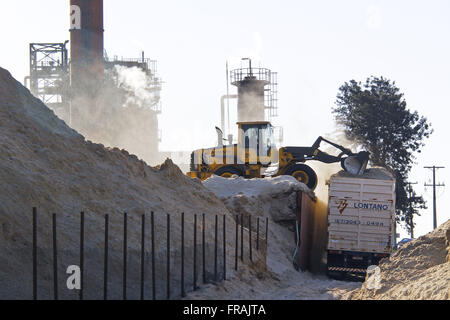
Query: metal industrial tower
x=49 y=76
x=257 y=93
x=257 y=96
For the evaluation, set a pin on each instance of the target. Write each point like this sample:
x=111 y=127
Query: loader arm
x=344 y=150
x=302 y=154
x=355 y=163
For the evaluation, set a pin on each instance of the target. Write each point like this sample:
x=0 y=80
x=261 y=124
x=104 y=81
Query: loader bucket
x=356 y=164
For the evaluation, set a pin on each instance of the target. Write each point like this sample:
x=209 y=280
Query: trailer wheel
x=228 y=172
x=303 y=173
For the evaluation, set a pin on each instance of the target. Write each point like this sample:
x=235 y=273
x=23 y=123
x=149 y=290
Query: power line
x=434 y=185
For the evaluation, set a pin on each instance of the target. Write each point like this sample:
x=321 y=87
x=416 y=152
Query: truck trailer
x=361 y=212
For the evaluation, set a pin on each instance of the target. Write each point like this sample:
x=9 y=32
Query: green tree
x=375 y=116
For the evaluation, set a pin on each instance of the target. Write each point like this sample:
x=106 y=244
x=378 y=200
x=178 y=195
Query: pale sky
x=315 y=46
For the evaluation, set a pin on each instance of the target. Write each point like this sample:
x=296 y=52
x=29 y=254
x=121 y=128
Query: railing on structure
x=241 y=74
x=256 y=241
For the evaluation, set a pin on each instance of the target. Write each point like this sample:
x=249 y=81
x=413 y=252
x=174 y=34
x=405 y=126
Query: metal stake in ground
x=237 y=244
x=215 y=250
x=250 y=236
x=81 y=254
x=182 y=254
x=168 y=257
x=124 y=281
x=242 y=237
x=257 y=233
x=203 y=248
x=267 y=234
x=55 y=261
x=142 y=255
x=153 y=257
x=195 y=252
x=105 y=266
x=34 y=253
x=224 y=250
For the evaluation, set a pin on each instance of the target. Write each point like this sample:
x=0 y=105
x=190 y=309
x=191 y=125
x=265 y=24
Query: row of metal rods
x=142 y=265
x=250 y=239
x=216 y=226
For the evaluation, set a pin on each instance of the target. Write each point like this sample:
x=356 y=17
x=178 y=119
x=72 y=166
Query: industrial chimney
x=86 y=45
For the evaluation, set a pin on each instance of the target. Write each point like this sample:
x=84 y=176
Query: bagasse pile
x=45 y=163
x=276 y=199
x=273 y=198
x=418 y=270
x=371 y=173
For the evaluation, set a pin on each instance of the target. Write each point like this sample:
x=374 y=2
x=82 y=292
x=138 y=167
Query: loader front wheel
x=303 y=173
x=228 y=172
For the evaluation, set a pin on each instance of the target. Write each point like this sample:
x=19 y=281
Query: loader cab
x=255 y=142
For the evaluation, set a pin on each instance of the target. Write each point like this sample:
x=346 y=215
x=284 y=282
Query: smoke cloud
x=123 y=113
x=138 y=86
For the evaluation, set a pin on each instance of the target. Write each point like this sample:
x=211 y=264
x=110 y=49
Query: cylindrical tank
x=86 y=43
x=251 y=83
x=251 y=99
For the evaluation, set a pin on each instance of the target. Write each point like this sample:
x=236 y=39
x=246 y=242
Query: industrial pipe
x=222 y=108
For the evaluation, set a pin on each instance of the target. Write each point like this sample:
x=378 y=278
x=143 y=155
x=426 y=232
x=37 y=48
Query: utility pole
x=411 y=222
x=434 y=185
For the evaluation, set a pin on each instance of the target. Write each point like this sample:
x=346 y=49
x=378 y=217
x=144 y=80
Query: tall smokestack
x=86 y=44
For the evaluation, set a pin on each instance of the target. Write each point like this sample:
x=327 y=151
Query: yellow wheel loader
x=255 y=152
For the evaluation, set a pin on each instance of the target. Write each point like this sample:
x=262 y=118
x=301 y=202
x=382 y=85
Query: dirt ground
x=419 y=270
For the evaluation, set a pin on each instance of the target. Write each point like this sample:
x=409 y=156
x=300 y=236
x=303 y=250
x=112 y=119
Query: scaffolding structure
x=257 y=95
x=269 y=81
x=147 y=65
x=50 y=74
x=271 y=97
